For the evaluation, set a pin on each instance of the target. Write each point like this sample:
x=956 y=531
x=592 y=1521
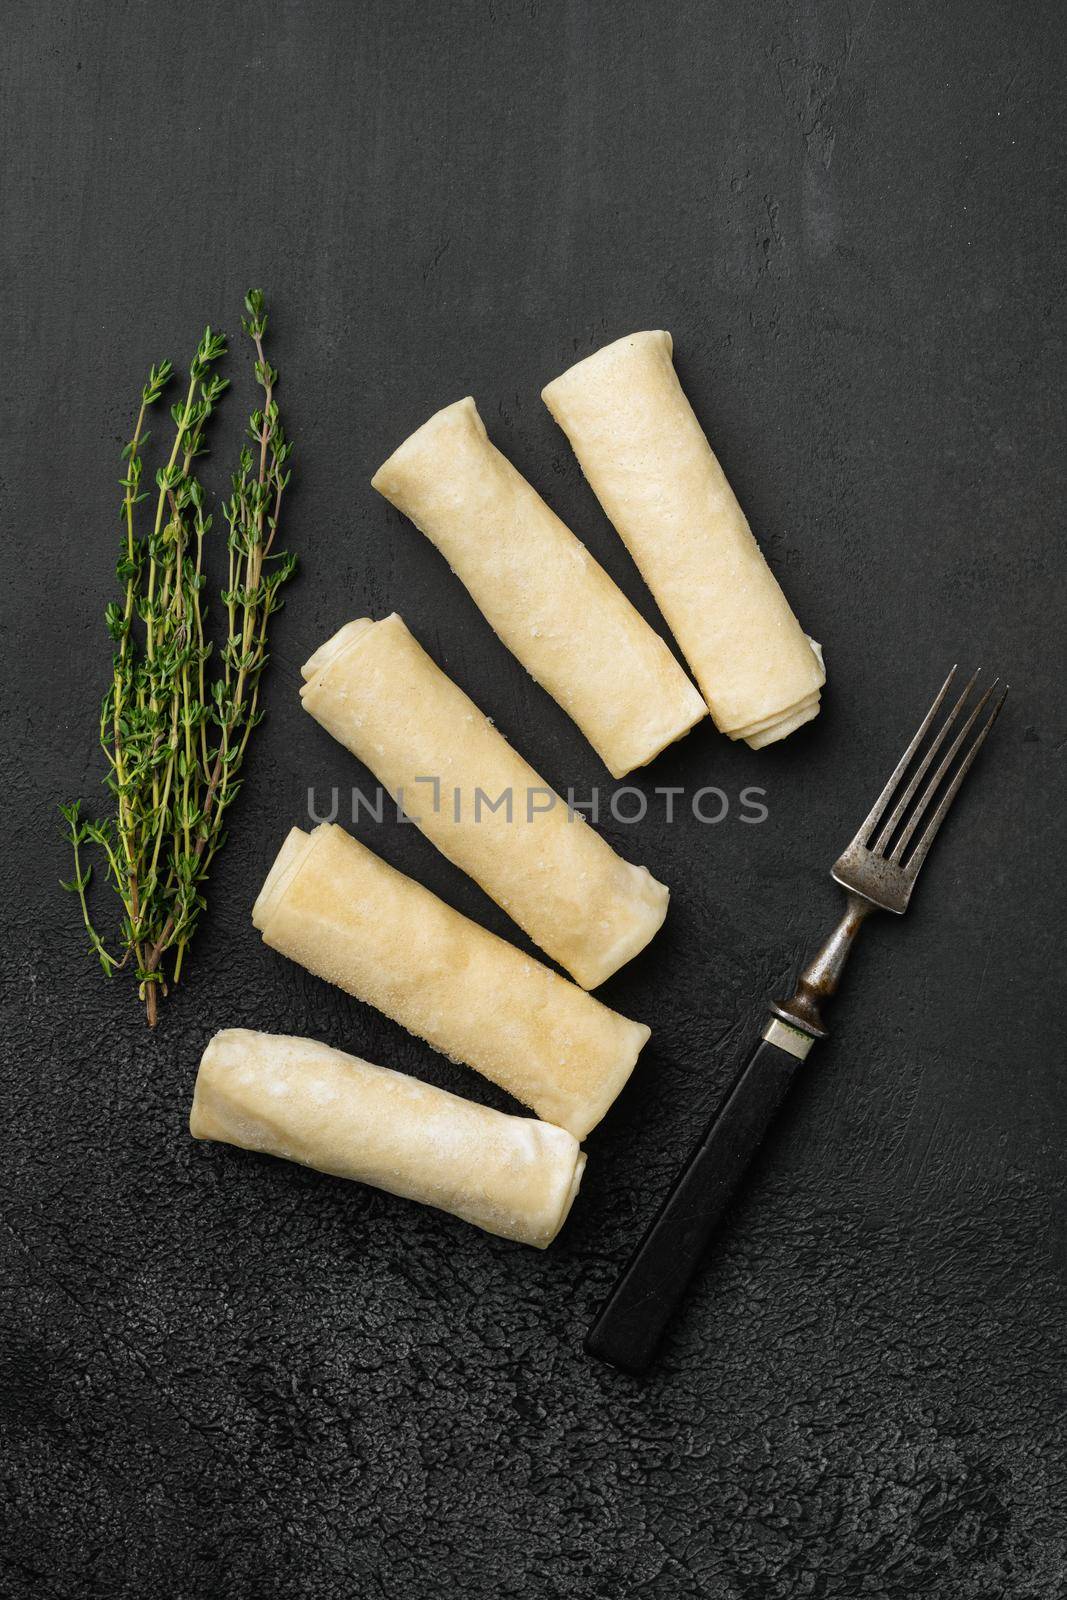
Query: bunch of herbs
x=176 y=718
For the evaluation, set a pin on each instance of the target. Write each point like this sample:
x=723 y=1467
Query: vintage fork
x=878 y=872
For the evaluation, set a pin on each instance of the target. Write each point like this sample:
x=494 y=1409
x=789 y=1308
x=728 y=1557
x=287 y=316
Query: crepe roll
x=645 y=455
x=295 y=1098
x=553 y=606
x=377 y=691
x=343 y=913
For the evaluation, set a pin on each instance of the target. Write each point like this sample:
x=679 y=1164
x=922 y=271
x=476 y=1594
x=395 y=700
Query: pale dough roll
x=377 y=691
x=347 y=916
x=294 y=1098
x=650 y=466
x=553 y=606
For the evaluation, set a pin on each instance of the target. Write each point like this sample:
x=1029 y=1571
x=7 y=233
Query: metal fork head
x=883 y=860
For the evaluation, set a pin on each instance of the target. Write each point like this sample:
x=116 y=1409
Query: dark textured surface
x=227 y=1377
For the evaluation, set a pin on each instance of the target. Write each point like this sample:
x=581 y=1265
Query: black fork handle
x=634 y=1317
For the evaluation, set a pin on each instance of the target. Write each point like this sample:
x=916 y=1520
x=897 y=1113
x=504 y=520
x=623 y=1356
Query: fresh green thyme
x=175 y=726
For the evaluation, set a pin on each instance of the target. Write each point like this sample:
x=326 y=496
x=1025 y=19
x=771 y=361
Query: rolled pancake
x=553 y=606
x=300 y=1100
x=377 y=691
x=343 y=913
x=652 y=469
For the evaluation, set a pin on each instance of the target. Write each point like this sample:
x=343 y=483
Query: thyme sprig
x=174 y=727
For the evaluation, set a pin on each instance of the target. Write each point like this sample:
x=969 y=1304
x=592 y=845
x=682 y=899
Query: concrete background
x=228 y=1377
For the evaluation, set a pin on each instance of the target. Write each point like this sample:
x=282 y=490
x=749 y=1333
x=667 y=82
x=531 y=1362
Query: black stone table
x=224 y=1376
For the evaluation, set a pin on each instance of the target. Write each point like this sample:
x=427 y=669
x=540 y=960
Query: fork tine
x=926 y=839
x=874 y=816
x=924 y=766
x=897 y=852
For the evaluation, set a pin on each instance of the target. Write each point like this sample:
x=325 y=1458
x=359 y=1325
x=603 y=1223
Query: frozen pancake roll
x=343 y=913
x=513 y=1176
x=650 y=466
x=553 y=606
x=377 y=691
